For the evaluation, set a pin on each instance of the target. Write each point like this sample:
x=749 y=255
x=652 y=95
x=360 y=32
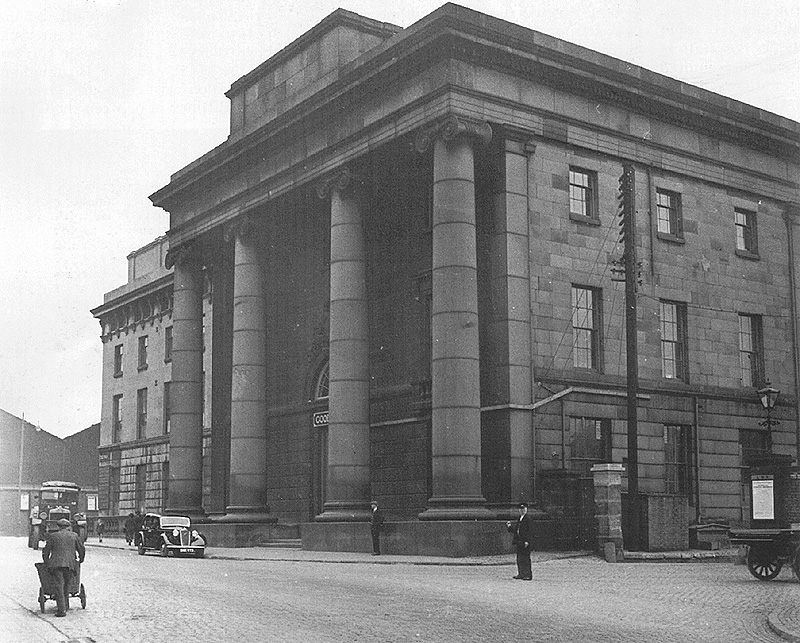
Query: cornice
x=453 y=32
x=131 y=296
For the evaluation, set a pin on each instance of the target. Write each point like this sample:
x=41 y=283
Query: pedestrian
x=59 y=556
x=100 y=527
x=129 y=528
x=376 y=523
x=523 y=535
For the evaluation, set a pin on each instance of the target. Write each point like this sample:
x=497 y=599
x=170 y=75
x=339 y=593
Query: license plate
x=187 y=550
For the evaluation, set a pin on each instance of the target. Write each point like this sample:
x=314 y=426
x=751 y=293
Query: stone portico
x=367 y=227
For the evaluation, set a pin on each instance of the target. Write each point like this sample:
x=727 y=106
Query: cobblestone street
x=133 y=598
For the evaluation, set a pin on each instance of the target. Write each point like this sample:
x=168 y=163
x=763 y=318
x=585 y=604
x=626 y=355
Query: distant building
x=136 y=322
x=30 y=455
x=412 y=236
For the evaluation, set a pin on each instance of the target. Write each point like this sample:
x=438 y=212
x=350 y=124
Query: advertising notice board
x=763 y=494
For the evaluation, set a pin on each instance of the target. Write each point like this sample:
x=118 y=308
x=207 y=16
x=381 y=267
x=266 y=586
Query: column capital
x=241 y=227
x=183 y=254
x=340 y=180
x=451 y=127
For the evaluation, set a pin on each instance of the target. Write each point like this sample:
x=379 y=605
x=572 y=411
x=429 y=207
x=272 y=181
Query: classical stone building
x=136 y=323
x=412 y=239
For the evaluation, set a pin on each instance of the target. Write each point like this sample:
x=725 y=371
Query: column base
x=457 y=508
x=345 y=511
x=246 y=514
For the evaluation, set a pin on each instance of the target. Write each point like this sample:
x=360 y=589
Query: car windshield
x=174 y=521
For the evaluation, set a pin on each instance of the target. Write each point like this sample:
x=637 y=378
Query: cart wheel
x=763 y=564
x=82 y=595
x=41 y=600
x=164 y=550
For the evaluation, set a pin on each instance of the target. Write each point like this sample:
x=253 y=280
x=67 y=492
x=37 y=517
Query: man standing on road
x=523 y=535
x=59 y=557
x=376 y=522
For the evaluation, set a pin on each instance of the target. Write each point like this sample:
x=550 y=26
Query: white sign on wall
x=763 y=488
x=24 y=502
x=91 y=502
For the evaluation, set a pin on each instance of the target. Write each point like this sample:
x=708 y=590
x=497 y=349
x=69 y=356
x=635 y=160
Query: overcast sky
x=100 y=101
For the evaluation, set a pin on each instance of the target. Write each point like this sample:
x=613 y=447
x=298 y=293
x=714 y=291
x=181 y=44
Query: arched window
x=321 y=387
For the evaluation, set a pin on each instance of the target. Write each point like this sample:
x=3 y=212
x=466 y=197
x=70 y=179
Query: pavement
x=784 y=622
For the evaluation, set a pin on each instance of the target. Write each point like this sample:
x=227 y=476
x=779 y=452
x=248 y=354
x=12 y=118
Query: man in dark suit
x=376 y=522
x=523 y=536
x=59 y=555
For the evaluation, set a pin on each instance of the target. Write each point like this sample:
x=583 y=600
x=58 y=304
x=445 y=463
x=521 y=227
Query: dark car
x=169 y=535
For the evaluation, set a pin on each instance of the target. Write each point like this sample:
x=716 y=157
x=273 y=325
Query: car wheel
x=164 y=550
x=140 y=548
x=35 y=538
x=200 y=554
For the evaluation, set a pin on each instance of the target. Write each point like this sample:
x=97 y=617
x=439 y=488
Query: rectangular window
x=677 y=459
x=141 y=413
x=582 y=193
x=143 y=352
x=116 y=418
x=168 y=344
x=141 y=487
x=668 y=209
x=118 y=360
x=590 y=443
x=746 y=237
x=751 y=350
x=673 y=341
x=586 y=326
x=167 y=407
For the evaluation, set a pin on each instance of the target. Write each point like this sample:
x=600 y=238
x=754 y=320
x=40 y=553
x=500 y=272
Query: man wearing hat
x=59 y=557
x=376 y=522
x=523 y=535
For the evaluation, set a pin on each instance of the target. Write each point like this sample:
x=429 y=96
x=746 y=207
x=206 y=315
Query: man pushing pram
x=62 y=555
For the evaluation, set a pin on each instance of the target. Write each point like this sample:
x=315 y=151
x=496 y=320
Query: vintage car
x=169 y=535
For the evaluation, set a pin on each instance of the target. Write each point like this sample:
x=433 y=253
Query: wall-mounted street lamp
x=768 y=396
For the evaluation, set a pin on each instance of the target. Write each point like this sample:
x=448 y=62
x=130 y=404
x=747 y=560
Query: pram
x=47 y=589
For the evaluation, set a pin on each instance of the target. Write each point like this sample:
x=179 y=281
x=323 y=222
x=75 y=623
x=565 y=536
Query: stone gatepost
x=608 y=508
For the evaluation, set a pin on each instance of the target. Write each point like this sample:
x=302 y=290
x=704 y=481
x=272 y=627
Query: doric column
x=247 y=493
x=186 y=388
x=348 y=484
x=509 y=385
x=455 y=359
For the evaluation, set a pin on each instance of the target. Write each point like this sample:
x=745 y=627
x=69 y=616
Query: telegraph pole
x=627 y=211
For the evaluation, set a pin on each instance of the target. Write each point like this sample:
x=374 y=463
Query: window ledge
x=670 y=238
x=746 y=254
x=118 y=374
x=579 y=218
x=143 y=367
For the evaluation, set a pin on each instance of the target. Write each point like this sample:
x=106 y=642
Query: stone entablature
x=456 y=60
